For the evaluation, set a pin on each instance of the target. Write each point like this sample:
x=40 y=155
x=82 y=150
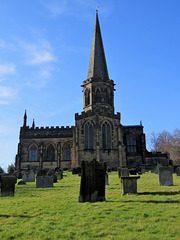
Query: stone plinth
x=165 y=176
x=92 y=181
x=44 y=182
x=129 y=185
x=7 y=185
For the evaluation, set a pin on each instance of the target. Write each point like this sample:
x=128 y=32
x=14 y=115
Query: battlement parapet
x=46 y=132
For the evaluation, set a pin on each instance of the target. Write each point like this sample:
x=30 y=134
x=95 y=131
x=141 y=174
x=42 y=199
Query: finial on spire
x=97 y=9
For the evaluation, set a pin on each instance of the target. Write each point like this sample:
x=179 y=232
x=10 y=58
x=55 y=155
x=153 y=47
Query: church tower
x=98 y=89
x=98 y=131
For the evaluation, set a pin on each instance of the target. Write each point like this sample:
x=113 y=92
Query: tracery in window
x=67 y=152
x=33 y=153
x=131 y=145
x=106 y=135
x=50 y=153
x=88 y=136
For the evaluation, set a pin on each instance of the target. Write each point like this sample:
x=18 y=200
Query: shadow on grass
x=19 y=216
x=159 y=193
x=155 y=201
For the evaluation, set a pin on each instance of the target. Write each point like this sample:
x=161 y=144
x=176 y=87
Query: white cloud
x=6 y=92
x=7 y=69
x=39 y=53
x=57 y=8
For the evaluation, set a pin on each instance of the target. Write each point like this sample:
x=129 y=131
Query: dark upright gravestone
x=44 y=182
x=92 y=187
x=7 y=185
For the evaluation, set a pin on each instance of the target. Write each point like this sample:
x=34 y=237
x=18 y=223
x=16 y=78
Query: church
x=97 y=134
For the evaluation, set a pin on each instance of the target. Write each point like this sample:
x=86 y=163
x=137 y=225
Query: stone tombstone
x=7 y=185
x=31 y=176
x=156 y=169
x=129 y=185
x=92 y=187
x=123 y=172
x=106 y=179
x=44 y=181
x=24 y=176
x=177 y=171
x=28 y=176
x=165 y=176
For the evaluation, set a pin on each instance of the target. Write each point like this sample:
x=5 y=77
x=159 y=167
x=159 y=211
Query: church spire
x=97 y=65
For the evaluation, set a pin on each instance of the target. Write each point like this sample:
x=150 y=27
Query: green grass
x=54 y=213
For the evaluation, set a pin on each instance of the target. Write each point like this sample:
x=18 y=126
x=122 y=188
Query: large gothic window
x=88 y=136
x=131 y=145
x=106 y=135
x=87 y=97
x=67 y=152
x=33 y=154
x=50 y=153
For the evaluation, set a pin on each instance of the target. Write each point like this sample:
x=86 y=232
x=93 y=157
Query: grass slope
x=54 y=213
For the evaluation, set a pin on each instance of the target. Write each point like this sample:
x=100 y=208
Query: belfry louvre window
x=131 y=145
x=50 y=153
x=88 y=136
x=106 y=136
x=67 y=152
x=33 y=154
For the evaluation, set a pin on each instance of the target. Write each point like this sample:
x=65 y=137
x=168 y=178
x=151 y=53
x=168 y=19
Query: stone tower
x=99 y=133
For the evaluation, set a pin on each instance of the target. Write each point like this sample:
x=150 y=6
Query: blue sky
x=44 y=56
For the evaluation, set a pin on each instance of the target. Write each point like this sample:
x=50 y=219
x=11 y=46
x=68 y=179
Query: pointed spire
x=33 y=124
x=25 y=119
x=97 y=65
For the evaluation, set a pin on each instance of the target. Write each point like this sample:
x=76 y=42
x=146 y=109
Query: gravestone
x=165 y=176
x=177 y=171
x=156 y=169
x=44 y=182
x=28 y=176
x=7 y=185
x=129 y=185
x=123 y=172
x=92 y=187
x=106 y=179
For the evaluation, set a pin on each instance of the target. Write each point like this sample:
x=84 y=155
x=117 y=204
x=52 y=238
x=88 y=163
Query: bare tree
x=167 y=143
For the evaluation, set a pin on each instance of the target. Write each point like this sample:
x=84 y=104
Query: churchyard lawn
x=55 y=213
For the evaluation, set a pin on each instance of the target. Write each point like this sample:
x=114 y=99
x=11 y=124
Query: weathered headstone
x=156 y=169
x=28 y=176
x=92 y=187
x=165 y=176
x=59 y=175
x=123 y=172
x=7 y=185
x=44 y=182
x=129 y=185
x=21 y=183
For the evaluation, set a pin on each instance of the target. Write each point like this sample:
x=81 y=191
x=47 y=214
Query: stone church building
x=98 y=132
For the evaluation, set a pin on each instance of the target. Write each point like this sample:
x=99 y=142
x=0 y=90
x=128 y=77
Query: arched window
x=87 y=97
x=67 y=152
x=88 y=136
x=98 y=95
x=131 y=144
x=50 y=153
x=33 y=154
x=106 y=136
